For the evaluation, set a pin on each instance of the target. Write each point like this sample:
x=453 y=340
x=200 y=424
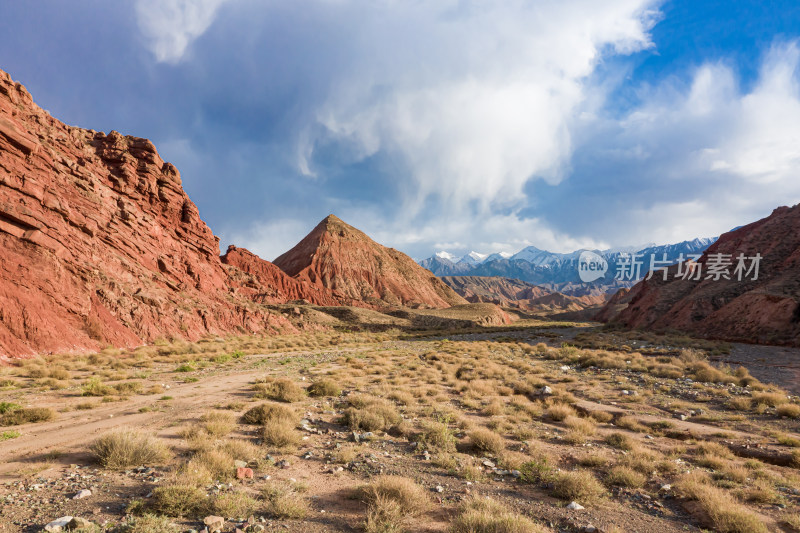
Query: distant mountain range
x=559 y=271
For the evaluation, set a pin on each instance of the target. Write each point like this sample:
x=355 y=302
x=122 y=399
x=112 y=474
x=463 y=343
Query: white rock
x=85 y=493
x=575 y=506
x=58 y=524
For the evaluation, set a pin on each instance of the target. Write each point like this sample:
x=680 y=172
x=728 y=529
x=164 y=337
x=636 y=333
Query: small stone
x=545 y=391
x=439 y=488
x=214 y=523
x=59 y=524
x=666 y=487
x=575 y=506
x=85 y=493
x=244 y=473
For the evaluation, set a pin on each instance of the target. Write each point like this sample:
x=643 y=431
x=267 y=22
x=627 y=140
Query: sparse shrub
x=537 y=470
x=401 y=397
x=148 y=523
x=584 y=426
x=629 y=422
x=602 y=417
x=485 y=440
x=123 y=448
x=789 y=410
x=266 y=412
x=218 y=463
x=185 y=367
x=8 y=435
x=725 y=514
x=771 y=399
x=26 y=415
x=483 y=515
x=579 y=485
x=740 y=404
x=279 y=433
x=620 y=440
x=325 y=387
x=625 y=477
x=593 y=460
x=560 y=412
x=384 y=515
x=6 y=407
x=94 y=387
x=178 y=501
x=280 y=389
x=438 y=435
x=792 y=521
x=218 y=423
x=234 y=505
x=283 y=501
x=411 y=498
x=374 y=415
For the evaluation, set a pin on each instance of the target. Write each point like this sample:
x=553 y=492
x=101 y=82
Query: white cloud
x=717 y=156
x=476 y=98
x=170 y=26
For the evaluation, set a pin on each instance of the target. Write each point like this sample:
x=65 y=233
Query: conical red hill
x=339 y=257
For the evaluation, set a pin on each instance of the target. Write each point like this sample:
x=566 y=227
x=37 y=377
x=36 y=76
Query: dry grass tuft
x=624 y=476
x=726 y=515
x=486 y=440
x=325 y=387
x=579 y=485
x=280 y=389
x=235 y=505
x=412 y=499
x=483 y=515
x=123 y=448
x=280 y=433
x=284 y=501
x=179 y=501
x=267 y=412
x=218 y=423
x=371 y=414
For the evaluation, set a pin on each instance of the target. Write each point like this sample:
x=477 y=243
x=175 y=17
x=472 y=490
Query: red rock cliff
x=266 y=283
x=100 y=244
x=765 y=310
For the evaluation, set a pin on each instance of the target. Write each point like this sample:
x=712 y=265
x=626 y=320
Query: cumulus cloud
x=170 y=26
x=700 y=160
x=477 y=99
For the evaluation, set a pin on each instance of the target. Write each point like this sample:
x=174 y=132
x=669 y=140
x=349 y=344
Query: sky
x=433 y=125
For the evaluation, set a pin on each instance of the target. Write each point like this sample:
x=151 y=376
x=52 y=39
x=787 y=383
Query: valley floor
x=494 y=430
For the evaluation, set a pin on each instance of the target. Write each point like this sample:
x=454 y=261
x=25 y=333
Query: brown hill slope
x=519 y=294
x=762 y=310
x=100 y=244
x=339 y=257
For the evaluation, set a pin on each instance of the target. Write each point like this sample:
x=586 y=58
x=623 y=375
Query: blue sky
x=450 y=124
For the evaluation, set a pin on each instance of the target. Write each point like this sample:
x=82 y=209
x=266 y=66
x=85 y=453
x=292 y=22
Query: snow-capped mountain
x=446 y=255
x=498 y=255
x=474 y=258
x=558 y=270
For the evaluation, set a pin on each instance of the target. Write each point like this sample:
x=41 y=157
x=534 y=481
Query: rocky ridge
x=763 y=310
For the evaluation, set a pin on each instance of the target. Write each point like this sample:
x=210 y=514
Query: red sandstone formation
x=766 y=310
x=339 y=257
x=100 y=244
x=264 y=282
